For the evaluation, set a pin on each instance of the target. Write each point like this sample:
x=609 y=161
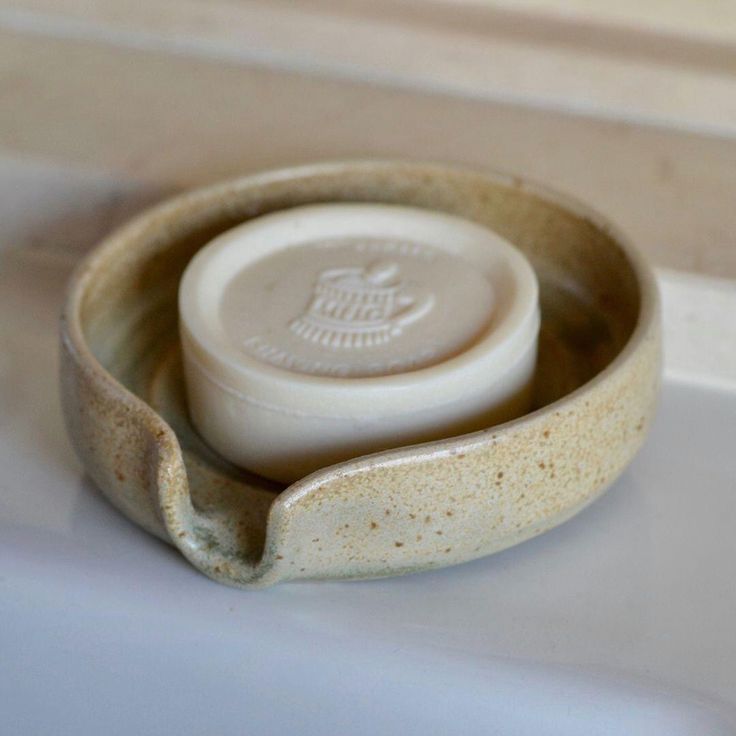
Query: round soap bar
x=324 y=332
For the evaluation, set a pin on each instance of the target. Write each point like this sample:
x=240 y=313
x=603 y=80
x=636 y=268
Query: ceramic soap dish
x=393 y=512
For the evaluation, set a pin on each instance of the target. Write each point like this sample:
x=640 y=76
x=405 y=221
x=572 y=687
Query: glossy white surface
x=619 y=622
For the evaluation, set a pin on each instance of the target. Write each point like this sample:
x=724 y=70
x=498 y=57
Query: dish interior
x=588 y=298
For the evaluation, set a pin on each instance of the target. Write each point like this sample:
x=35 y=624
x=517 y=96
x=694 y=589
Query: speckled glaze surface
x=393 y=512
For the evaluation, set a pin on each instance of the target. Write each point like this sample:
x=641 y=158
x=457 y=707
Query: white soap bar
x=324 y=332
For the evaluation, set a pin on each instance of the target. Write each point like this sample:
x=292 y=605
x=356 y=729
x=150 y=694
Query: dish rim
x=172 y=208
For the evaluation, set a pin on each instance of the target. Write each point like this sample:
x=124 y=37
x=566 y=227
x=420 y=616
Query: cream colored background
x=631 y=107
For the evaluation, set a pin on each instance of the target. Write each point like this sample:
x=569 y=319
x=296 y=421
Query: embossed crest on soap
x=357 y=306
x=361 y=306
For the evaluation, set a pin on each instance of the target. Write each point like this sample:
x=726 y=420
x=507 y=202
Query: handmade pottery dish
x=398 y=511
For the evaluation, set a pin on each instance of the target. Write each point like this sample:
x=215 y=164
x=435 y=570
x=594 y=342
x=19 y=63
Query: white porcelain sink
x=619 y=622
